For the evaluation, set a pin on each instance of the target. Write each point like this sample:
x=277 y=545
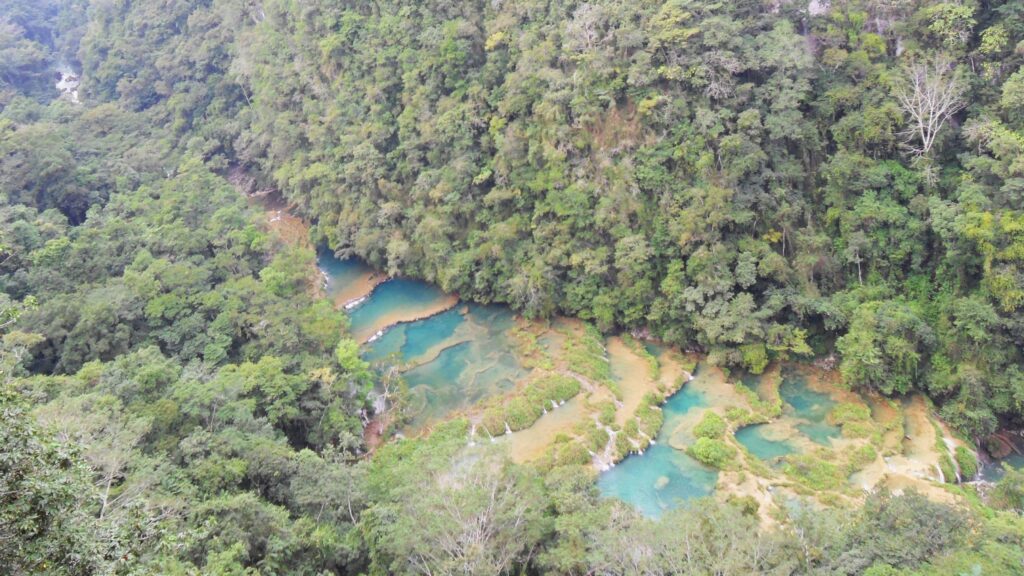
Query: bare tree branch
x=929 y=93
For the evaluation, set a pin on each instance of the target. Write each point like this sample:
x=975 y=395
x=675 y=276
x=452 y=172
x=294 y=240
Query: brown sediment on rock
x=290 y=228
x=827 y=382
x=919 y=442
x=530 y=444
x=769 y=382
x=358 y=289
x=633 y=375
x=887 y=413
x=1001 y=444
x=282 y=223
x=737 y=484
x=916 y=465
x=373 y=434
x=390 y=320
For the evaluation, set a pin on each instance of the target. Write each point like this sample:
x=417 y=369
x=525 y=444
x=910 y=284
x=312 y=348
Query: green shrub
x=861 y=457
x=586 y=355
x=623 y=446
x=746 y=504
x=606 y=412
x=711 y=426
x=737 y=415
x=946 y=465
x=712 y=452
x=650 y=419
x=849 y=412
x=1008 y=493
x=755 y=357
x=597 y=438
x=520 y=412
x=566 y=452
x=814 y=471
x=968 y=463
x=631 y=429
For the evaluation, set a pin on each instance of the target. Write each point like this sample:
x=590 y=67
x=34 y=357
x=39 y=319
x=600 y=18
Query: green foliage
x=814 y=471
x=689 y=169
x=967 y=462
x=712 y=452
x=861 y=457
x=586 y=356
x=883 y=347
x=855 y=420
x=711 y=426
x=529 y=404
x=45 y=521
x=650 y=419
x=1008 y=493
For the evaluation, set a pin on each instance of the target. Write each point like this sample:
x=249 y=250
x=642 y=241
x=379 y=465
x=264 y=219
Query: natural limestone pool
x=453 y=355
x=804 y=418
x=458 y=358
x=663 y=477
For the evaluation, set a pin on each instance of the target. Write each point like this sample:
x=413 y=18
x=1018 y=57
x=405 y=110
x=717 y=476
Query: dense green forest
x=754 y=180
x=744 y=178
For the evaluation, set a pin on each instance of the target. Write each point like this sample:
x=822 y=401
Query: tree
x=46 y=522
x=483 y=516
x=109 y=438
x=930 y=93
x=884 y=347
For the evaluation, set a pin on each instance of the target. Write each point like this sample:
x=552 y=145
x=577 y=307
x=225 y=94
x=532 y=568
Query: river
x=468 y=360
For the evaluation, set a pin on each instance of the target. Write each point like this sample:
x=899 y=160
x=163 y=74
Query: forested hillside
x=754 y=180
x=746 y=178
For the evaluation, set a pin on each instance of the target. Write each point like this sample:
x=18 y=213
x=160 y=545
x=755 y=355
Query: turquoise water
x=682 y=402
x=420 y=337
x=387 y=346
x=750 y=381
x=994 y=471
x=459 y=357
x=662 y=477
x=339 y=273
x=659 y=480
x=810 y=406
x=411 y=341
x=460 y=376
x=752 y=437
x=807 y=409
x=390 y=297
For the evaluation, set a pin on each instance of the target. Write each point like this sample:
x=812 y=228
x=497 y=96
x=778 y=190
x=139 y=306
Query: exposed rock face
x=67 y=84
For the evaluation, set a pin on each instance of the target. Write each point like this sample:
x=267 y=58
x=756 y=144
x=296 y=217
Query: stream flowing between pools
x=455 y=355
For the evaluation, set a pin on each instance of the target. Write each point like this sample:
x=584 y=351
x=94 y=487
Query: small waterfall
x=554 y=404
x=544 y=409
x=507 y=429
x=472 y=435
x=352 y=304
x=942 y=477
